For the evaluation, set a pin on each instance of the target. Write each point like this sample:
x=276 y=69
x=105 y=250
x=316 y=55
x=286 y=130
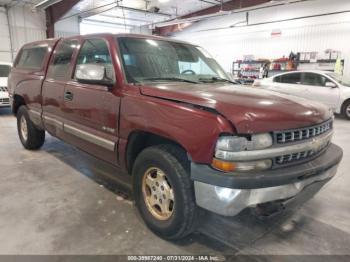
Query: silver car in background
x=5 y=69
x=323 y=86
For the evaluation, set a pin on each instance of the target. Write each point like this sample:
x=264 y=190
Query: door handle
x=68 y=96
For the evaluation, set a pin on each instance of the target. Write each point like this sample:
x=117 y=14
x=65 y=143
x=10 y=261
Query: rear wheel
x=346 y=110
x=164 y=192
x=31 y=137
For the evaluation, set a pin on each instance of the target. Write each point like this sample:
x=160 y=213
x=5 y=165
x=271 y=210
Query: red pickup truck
x=168 y=114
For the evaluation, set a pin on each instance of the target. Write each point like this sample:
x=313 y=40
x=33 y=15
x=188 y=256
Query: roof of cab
x=112 y=35
x=120 y=35
x=49 y=41
x=53 y=41
x=150 y=37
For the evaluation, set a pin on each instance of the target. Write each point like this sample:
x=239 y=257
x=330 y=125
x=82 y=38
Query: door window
x=59 y=68
x=31 y=58
x=313 y=79
x=95 y=51
x=5 y=70
x=277 y=79
x=293 y=78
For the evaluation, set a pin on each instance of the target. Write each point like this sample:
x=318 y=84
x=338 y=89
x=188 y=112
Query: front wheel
x=164 y=192
x=346 y=110
x=31 y=137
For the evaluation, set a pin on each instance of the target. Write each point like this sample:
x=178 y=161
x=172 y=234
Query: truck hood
x=250 y=110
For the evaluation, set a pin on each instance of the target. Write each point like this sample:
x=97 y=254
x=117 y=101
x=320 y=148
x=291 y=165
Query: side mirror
x=93 y=74
x=331 y=84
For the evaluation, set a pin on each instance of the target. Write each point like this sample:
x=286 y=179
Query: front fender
x=196 y=130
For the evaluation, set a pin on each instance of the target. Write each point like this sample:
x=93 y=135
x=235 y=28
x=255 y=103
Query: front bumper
x=4 y=102
x=228 y=194
x=4 y=99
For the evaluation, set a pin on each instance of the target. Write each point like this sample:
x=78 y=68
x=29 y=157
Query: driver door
x=91 y=111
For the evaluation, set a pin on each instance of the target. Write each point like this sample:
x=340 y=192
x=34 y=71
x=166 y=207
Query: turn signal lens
x=223 y=165
x=241 y=166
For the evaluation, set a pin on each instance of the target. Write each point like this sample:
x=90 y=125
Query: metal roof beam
x=125 y=18
x=46 y=3
x=106 y=7
x=107 y=23
x=55 y=12
x=144 y=11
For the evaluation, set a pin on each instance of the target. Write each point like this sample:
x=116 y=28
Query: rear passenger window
x=31 y=58
x=95 y=51
x=293 y=78
x=59 y=67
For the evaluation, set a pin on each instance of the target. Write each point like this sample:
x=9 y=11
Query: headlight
x=227 y=146
x=239 y=143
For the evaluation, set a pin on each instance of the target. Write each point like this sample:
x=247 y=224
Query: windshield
x=159 y=60
x=4 y=70
x=340 y=79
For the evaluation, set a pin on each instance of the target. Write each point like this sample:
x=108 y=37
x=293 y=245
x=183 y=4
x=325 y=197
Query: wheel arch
x=18 y=101
x=343 y=105
x=139 y=140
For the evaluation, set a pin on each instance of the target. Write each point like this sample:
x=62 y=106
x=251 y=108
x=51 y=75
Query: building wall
x=145 y=30
x=5 y=53
x=67 y=27
x=299 y=35
x=92 y=27
x=25 y=26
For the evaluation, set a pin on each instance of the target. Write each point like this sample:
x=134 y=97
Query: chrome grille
x=5 y=100
x=290 y=158
x=295 y=135
x=3 y=89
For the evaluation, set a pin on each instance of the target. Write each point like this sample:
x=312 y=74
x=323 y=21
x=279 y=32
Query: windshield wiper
x=170 y=79
x=217 y=79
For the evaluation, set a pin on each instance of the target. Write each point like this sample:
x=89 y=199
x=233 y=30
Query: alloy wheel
x=347 y=111
x=24 y=128
x=158 y=193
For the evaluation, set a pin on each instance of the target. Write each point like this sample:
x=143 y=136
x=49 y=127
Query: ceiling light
x=163 y=1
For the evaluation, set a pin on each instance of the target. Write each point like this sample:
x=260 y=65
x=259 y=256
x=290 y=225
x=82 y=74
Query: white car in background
x=322 y=86
x=5 y=69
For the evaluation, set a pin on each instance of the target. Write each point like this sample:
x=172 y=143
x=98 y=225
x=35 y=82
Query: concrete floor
x=61 y=201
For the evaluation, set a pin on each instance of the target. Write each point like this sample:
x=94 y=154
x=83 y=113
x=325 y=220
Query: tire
x=172 y=162
x=346 y=110
x=32 y=138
